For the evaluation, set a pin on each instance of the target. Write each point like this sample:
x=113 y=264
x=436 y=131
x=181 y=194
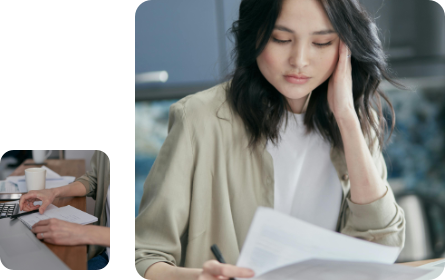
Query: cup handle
x=47 y=154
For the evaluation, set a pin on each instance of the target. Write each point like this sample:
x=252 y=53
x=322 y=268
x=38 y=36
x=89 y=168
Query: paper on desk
x=276 y=240
x=50 y=174
x=316 y=269
x=49 y=183
x=437 y=268
x=53 y=180
x=66 y=213
x=8 y=187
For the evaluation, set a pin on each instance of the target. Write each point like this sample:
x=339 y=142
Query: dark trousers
x=98 y=262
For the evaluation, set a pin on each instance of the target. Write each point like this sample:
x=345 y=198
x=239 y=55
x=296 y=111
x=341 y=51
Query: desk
x=75 y=257
x=419 y=263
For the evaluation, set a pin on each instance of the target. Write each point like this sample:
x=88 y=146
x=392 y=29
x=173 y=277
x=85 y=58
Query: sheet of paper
x=440 y=264
x=276 y=240
x=31 y=219
x=53 y=180
x=49 y=183
x=65 y=180
x=50 y=174
x=67 y=213
x=316 y=269
x=8 y=188
x=437 y=269
x=74 y=215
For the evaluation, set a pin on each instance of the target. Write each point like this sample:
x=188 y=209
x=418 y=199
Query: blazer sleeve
x=381 y=221
x=89 y=179
x=164 y=210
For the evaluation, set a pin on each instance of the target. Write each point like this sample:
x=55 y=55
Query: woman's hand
x=27 y=200
x=340 y=97
x=213 y=270
x=60 y=232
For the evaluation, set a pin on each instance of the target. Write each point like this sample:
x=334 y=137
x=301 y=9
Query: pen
x=25 y=213
x=217 y=253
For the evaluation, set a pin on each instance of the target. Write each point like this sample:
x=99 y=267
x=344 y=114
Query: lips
x=298 y=76
x=297 y=79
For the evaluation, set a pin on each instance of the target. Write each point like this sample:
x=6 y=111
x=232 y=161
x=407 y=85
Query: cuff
x=375 y=215
x=85 y=183
x=143 y=265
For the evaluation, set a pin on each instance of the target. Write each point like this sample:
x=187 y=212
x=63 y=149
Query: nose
x=299 y=56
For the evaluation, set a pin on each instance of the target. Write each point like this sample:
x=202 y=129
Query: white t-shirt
x=306 y=182
x=107 y=208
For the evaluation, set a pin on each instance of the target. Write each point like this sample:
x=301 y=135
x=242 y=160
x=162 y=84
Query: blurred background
x=183 y=47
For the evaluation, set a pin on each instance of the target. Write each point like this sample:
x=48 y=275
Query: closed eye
x=287 y=41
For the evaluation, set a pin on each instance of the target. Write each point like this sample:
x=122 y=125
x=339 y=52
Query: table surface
x=75 y=257
x=419 y=263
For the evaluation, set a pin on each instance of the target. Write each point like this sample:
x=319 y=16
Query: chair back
x=425 y=226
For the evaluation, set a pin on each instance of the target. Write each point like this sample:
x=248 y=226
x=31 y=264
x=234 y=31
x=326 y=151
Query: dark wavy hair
x=263 y=109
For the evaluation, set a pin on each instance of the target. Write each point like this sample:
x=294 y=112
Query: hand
x=60 y=232
x=340 y=97
x=212 y=270
x=27 y=200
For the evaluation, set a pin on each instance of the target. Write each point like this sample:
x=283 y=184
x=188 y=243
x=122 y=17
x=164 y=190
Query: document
x=67 y=213
x=437 y=269
x=276 y=240
x=8 y=187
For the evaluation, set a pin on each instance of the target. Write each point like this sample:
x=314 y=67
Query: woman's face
x=296 y=49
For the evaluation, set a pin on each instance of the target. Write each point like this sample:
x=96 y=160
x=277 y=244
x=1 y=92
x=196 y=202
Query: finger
x=36 y=224
x=23 y=207
x=42 y=223
x=344 y=54
x=39 y=228
x=28 y=206
x=31 y=205
x=23 y=200
x=228 y=270
x=46 y=234
x=344 y=60
x=43 y=207
x=26 y=197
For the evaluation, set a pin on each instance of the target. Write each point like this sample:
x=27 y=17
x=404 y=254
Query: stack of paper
x=67 y=213
x=279 y=246
x=9 y=187
x=17 y=184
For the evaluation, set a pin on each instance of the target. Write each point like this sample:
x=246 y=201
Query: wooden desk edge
x=420 y=263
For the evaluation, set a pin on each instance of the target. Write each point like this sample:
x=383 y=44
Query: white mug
x=39 y=156
x=35 y=178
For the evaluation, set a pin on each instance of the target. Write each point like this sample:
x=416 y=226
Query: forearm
x=366 y=184
x=73 y=189
x=97 y=235
x=164 y=271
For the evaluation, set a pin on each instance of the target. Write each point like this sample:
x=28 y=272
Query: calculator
x=8 y=209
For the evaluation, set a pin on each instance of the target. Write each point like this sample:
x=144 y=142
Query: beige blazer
x=96 y=182
x=206 y=185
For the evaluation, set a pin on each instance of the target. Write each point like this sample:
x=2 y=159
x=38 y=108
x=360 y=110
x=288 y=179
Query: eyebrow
x=321 y=32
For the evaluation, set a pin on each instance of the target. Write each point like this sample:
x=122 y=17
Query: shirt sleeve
x=89 y=179
x=163 y=217
x=381 y=221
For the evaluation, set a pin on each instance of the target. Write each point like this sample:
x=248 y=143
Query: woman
x=297 y=109
x=94 y=183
